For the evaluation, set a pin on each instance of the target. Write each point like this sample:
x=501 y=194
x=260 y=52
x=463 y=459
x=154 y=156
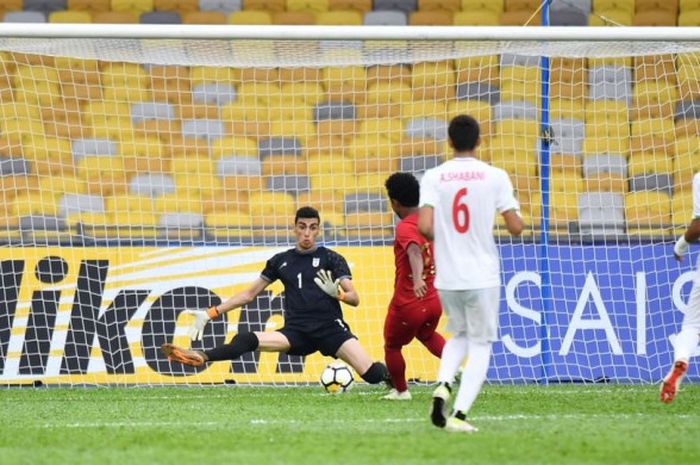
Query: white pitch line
x=264 y=422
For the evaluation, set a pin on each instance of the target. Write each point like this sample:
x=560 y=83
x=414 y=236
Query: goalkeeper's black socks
x=460 y=415
x=376 y=373
x=447 y=385
x=241 y=344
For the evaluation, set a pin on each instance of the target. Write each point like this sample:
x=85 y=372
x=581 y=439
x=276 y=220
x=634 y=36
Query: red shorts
x=417 y=320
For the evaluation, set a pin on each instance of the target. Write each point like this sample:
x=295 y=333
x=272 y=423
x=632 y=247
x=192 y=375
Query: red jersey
x=407 y=233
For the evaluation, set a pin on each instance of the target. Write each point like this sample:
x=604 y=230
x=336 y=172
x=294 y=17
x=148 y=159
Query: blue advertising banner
x=613 y=316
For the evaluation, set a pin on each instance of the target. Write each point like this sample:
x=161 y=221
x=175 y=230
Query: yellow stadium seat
x=177 y=203
x=278 y=165
x=344 y=79
x=477 y=69
x=647 y=212
x=686 y=162
x=430 y=18
x=602 y=5
x=205 y=74
x=681 y=209
x=307 y=93
x=377 y=146
x=657 y=68
x=329 y=163
x=37 y=203
x=30 y=75
x=373 y=182
x=670 y=6
x=309 y=5
x=652 y=99
x=58 y=185
x=11 y=110
x=121 y=204
x=329 y=205
x=606 y=144
x=192 y=165
x=115 y=17
x=230 y=225
x=369 y=224
x=607 y=182
x=202 y=185
x=563 y=207
x=384 y=166
x=689 y=18
x=424 y=109
x=250 y=17
x=482 y=5
x=176 y=5
x=655 y=17
x=239 y=146
x=477 y=108
x=301 y=18
x=516 y=155
x=520 y=18
x=258 y=93
x=89 y=218
x=391 y=129
x=70 y=17
x=518 y=73
x=567 y=109
x=339 y=18
x=515 y=5
x=518 y=128
x=19 y=130
x=358 y=5
x=134 y=6
x=273 y=204
x=264 y=5
x=448 y=5
x=204 y=17
x=92 y=6
x=340 y=185
x=120 y=74
x=653 y=135
x=649 y=163
x=611 y=17
x=476 y=18
x=433 y=80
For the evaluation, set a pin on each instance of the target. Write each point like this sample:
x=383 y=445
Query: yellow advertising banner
x=82 y=315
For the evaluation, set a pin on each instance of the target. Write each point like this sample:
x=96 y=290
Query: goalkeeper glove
x=327 y=285
x=681 y=247
x=201 y=318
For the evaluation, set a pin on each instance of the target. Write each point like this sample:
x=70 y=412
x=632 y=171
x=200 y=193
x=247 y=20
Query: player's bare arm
x=514 y=223
x=692 y=234
x=415 y=259
x=350 y=297
x=242 y=298
x=425 y=222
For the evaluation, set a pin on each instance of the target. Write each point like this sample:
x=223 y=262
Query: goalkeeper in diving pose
x=315 y=280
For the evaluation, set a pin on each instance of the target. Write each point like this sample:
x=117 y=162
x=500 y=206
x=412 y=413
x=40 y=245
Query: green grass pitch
x=559 y=424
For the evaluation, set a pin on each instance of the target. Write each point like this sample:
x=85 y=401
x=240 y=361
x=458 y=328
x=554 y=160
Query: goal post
x=149 y=169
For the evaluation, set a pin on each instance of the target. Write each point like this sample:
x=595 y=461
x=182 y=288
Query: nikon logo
x=92 y=325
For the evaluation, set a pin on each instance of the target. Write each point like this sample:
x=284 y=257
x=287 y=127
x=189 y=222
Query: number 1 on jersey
x=299 y=278
x=460 y=212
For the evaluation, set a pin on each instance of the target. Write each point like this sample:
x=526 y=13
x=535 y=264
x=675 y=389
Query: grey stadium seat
x=652 y=182
x=385 y=18
x=216 y=93
x=510 y=59
x=604 y=163
x=687 y=109
x=583 y=6
x=42 y=223
x=239 y=166
x=365 y=202
x=567 y=135
x=77 y=203
x=601 y=212
x=419 y=164
x=432 y=128
x=47 y=6
x=610 y=83
x=152 y=185
x=14 y=166
x=160 y=17
x=24 y=17
x=279 y=146
x=226 y=6
x=568 y=18
x=289 y=184
x=515 y=109
x=141 y=112
x=203 y=129
x=333 y=110
x=478 y=91
x=82 y=148
x=181 y=220
x=402 y=5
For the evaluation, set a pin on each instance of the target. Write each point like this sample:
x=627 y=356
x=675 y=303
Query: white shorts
x=472 y=311
x=691 y=318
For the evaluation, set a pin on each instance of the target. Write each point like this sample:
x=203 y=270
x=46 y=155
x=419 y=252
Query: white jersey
x=466 y=194
x=696 y=196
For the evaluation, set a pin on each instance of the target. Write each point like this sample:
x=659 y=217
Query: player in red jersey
x=414 y=311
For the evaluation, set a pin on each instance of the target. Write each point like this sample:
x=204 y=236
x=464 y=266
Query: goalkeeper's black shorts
x=326 y=338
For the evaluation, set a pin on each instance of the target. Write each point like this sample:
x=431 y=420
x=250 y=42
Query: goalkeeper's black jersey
x=306 y=305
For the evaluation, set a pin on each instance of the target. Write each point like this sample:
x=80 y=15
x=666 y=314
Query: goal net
x=141 y=177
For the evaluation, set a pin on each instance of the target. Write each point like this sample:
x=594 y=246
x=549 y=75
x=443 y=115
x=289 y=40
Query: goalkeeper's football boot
x=396 y=395
x=455 y=425
x=438 y=412
x=195 y=358
x=673 y=379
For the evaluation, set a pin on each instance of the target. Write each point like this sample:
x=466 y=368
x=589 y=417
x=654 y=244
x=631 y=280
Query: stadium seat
x=92 y=6
x=515 y=154
x=339 y=18
x=476 y=18
x=447 y=5
x=653 y=99
x=224 y=6
x=655 y=17
x=520 y=18
x=232 y=226
x=175 y=5
x=563 y=208
x=657 y=68
x=14 y=166
x=406 y=6
x=433 y=128
x=87 y=147
x=385 y=18
x=476 y=108
x=365 y=202
x=610 y=83
x=309 y=5
x=287 y=183
x=681 y=211
x=134 y=6
x=568 y=18
x=250 y=17
x=652 y=182
x=652 y=135
x=604 y=163
x=293 y=17
x=70 y=17
x=181 y=225
x=238 y=165
x=430 y=18
x=689 y=18
x=160 y=17
x=151 y=110
x=687 y=109
x=418 y=165
x=279 y=146
x=151 y=185
x=568 y=136
x=601 y=213
x=45 y=6
x=670 y=6
x=647 y=212
x=516 y=109
x=216 y=93
x=69 y=204
x=115 y=17
x=204 y=17
x=273 y=208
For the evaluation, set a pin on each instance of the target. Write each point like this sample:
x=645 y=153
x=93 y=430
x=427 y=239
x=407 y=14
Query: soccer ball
x=336 y=378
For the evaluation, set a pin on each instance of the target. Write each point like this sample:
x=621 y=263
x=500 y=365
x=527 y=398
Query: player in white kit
x=687 y=340
x=459 y=201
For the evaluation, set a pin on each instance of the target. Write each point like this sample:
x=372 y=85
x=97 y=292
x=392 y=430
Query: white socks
x=686 y=342
x=473 y=375
x=452 y=357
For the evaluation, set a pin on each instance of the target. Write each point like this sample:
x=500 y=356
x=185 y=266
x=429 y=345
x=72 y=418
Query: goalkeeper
x=315 y=280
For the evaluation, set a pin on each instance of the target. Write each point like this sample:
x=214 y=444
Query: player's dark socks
x=241 y=344
x=377 y=373
x=461 y=415
x=447 y=385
